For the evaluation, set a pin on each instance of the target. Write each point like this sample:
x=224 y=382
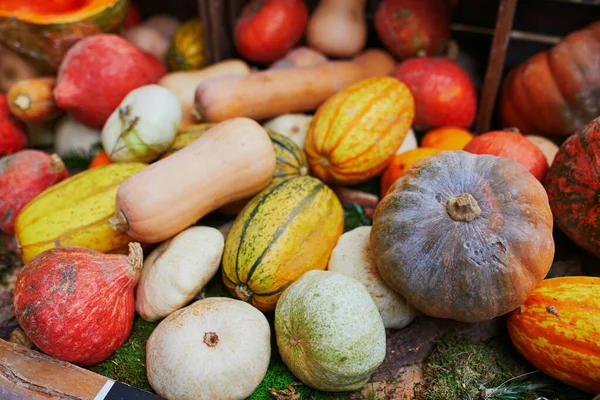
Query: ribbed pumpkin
x=555 y=92
x=464 y=236
x=558 y=330
x=356 y=132
x=287 y=229
x=186 y=50
x=573 y=186
x=291 y=161
x=43 y=31
x=75 y=212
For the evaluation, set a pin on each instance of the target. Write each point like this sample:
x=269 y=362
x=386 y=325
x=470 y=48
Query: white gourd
x=143 y=126
x=294 y=126
x=177 y=270
x=215 y=348
x=73 y=137
x=352 y=256
x=409 y=143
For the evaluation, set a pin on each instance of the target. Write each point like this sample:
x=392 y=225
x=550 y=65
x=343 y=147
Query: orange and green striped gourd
x=43 y=31
x=186 y=50
x=355 y=133
x=288 y=228
x=557 y=330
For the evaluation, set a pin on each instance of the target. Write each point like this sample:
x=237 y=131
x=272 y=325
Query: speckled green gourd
x=329 y=331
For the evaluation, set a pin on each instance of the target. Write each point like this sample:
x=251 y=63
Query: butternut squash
x=269 y=93
x=231 y=161
x=338 y=28
x=300 y=57
x=183 y=83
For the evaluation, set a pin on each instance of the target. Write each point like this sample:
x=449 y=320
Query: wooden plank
x=491 y=83
x=29 y=374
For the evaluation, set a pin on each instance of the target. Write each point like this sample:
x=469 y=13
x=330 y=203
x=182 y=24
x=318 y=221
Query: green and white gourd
x=329 y=331
x=143 y=126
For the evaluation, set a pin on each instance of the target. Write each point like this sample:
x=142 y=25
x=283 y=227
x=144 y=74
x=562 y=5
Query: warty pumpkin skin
x=573 y=186
x=44 y=31
x=356 y=132
x=558 y=330
x=464 y=236
x=555 y=92
x=288 y=228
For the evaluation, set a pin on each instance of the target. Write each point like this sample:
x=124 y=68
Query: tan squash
x=338 y=28
x=300 y=57
x=231 y=161
x=149 y=40
x=269 y=93
x=183 y=83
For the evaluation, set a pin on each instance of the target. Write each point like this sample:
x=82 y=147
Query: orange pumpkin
x=400 y=163
x=356 y=132
x=447 y=138
x=557 y=330
x=99 y=160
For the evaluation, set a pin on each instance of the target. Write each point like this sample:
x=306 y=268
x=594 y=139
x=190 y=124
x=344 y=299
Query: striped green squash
x=291 y=159
x=288 y=228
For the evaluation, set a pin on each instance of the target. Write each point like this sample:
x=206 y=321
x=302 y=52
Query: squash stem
x=463 y=208
x=243 y=292
x=136 y=257
x=56 y=163
x=118 y=222
x=211 y=339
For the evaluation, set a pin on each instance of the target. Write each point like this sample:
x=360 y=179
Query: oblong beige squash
x=231 y=161
x=329 y=331
x=215 y=348
x=352 y=257
x=177 y=270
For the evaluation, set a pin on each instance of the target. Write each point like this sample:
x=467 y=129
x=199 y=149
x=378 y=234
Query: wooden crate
x=498 y=34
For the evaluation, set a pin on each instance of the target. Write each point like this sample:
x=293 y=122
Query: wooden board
x=26 y=374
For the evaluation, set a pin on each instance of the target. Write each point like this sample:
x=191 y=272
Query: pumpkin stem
x=136 y=257
x=324 y=162
x=211 y=339
x=463 y=208
x=56 y=163
x=118 y=222
x=242 y=292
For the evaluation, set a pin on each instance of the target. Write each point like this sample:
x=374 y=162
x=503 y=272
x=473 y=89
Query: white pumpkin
x=409 y=143
x=352 y=256
x=295 y=126
x=73 y=137
x=143 y=126
x=547 y=146
x=215 y=348
x=329 y=331
x=177 y=270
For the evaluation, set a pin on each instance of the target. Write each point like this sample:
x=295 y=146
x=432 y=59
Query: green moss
x=128 y=364
x=461 y=369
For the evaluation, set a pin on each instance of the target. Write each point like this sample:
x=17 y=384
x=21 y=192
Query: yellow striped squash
x=557 y=330
x=355 y=133
x=288 y=228
x=186 y=50
x=75 y=212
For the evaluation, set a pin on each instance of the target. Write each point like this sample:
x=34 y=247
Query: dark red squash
x=464 y=236
x=511 y=144
x=573 y=186
x=555 y=92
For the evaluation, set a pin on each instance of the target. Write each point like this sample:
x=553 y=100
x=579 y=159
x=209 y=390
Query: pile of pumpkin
x=463 y=229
